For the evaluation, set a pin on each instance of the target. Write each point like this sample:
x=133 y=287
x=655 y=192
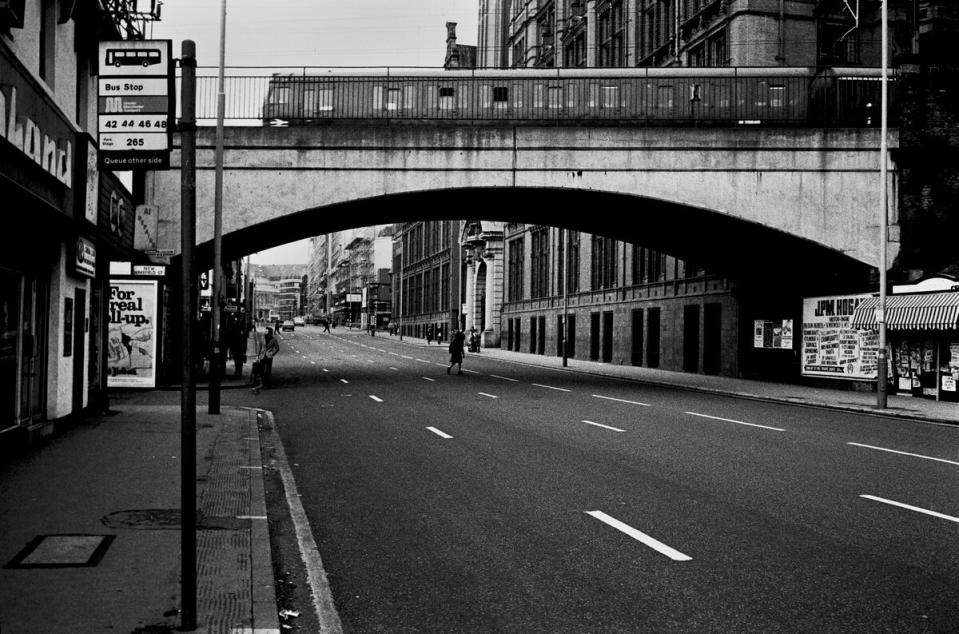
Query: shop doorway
x=32 y=359
x=691 y=338
x=10 y=292
x=79 y=348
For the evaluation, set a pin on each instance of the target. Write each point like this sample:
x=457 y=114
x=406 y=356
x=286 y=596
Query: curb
x=265 y=616
x=860 y=409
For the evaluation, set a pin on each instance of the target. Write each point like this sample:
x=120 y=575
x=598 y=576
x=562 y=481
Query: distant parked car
x=299 y=321
x=288 y=325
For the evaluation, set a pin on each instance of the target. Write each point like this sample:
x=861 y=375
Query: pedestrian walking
x=456 y=351
x=237 y=343
x=269 y=349
x=474 y=340
x=429 y=334
x=326 y=325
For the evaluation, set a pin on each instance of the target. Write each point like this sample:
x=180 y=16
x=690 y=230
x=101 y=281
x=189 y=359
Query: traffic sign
x=135 y=104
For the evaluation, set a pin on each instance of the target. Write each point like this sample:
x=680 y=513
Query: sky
x=298 y=33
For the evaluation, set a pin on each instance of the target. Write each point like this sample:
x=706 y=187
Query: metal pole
x=882 y=363
x=187 y=129
x=400 y=293
x=329 y=266
x=565 y=296
x=216 y=362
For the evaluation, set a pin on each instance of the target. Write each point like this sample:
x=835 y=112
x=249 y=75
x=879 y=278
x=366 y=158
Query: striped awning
x=921 y=311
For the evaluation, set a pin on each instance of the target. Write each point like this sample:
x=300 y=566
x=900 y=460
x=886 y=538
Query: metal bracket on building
x=855 y=16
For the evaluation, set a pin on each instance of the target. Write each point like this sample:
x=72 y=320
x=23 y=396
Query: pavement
x=89 y=520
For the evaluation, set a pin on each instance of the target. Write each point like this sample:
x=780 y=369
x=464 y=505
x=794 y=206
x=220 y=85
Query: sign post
x=135 y=104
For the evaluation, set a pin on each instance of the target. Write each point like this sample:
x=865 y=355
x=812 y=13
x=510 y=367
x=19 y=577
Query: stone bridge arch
x=739 y=196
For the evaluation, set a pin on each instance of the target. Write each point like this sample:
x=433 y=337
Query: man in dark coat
x=456 y=351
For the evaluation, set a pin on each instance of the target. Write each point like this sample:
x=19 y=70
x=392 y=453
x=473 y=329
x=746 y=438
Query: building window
x=519 y=53
x=718 y=53
x=572 y=261
x=539 y=263
x=603 y=263
x=574 y=49
x=515 y=263
x=612 y=48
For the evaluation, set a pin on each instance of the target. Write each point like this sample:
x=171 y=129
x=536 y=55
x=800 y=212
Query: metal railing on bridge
x=823 y=97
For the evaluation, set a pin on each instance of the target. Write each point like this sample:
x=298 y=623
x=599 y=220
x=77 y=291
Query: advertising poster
x=831 y=347
x=131 y=348
x=773 y=334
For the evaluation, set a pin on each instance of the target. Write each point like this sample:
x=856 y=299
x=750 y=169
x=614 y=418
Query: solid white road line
x=911 y=508
x=589 y=422
x=376 y=398
x=620 y=400
x=505 y=378
x=439 y=433
x=550 y=387
x=738 y=422
x=904 y=453
x=489 y=395
x=426 y=378
x=655 y=544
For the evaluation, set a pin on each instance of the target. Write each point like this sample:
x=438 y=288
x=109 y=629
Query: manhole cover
x=62 y=551
x=169 y=519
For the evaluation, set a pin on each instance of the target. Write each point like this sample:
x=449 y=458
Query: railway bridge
x=712 y=193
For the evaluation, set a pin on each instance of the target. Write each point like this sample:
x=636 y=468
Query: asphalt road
x=517 y=498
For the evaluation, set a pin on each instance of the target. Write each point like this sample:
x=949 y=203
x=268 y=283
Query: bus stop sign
x=135 y=104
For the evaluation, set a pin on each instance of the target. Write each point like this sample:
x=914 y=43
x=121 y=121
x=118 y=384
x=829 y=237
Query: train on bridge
x=829 y=96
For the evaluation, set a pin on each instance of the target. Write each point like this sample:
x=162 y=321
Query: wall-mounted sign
x=131 y=352
x=135 y=104
x=831 y=346
x=85 y=258
x=152 y=270
x=773 y=334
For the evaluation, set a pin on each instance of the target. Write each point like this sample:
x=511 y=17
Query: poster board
x=831 y=347
x=773 y=334
x=131 y=333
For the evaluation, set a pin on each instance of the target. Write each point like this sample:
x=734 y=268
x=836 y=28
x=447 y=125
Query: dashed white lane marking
x=422 y=360
x=370 y=361
x=442 y=365
x=406 y=356
x=395 y=354
x=343 y=381
x=942 y=516
x=439 y=433
x=489 y=395
x=376 y=398
x=505 y=378
x=426 y=378
x=470 y=371
x=312 y=362
x=589 y=422
x=904 y=453
x=738 y=422
x=620 y=400
x=550 y=387
x=655 y=544
x=325 y=370
x=392 y=368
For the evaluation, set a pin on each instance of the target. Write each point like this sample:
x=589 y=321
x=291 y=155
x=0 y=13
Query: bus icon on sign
x=130 y=57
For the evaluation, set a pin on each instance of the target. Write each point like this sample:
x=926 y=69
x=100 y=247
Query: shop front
x=923 y=335
x=37 y=187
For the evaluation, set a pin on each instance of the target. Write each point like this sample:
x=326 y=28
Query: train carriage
x=640 y=96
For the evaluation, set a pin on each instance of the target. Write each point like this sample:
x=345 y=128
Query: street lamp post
x=216 y=372
x=565 y=296
x=882 y=361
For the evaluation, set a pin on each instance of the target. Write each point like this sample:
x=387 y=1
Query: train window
x=281 y=94
x=447 y=94
x=555 y=95
x=610 y=96
x=664 y=97
x=324 y=102
x=776 y=96
x=409 y=97
x=593 y=95
x=500 y=94
x=538 y=92
x=392 y=98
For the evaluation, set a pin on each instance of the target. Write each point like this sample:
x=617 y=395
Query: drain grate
x=169 y=519
x=62 y=551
